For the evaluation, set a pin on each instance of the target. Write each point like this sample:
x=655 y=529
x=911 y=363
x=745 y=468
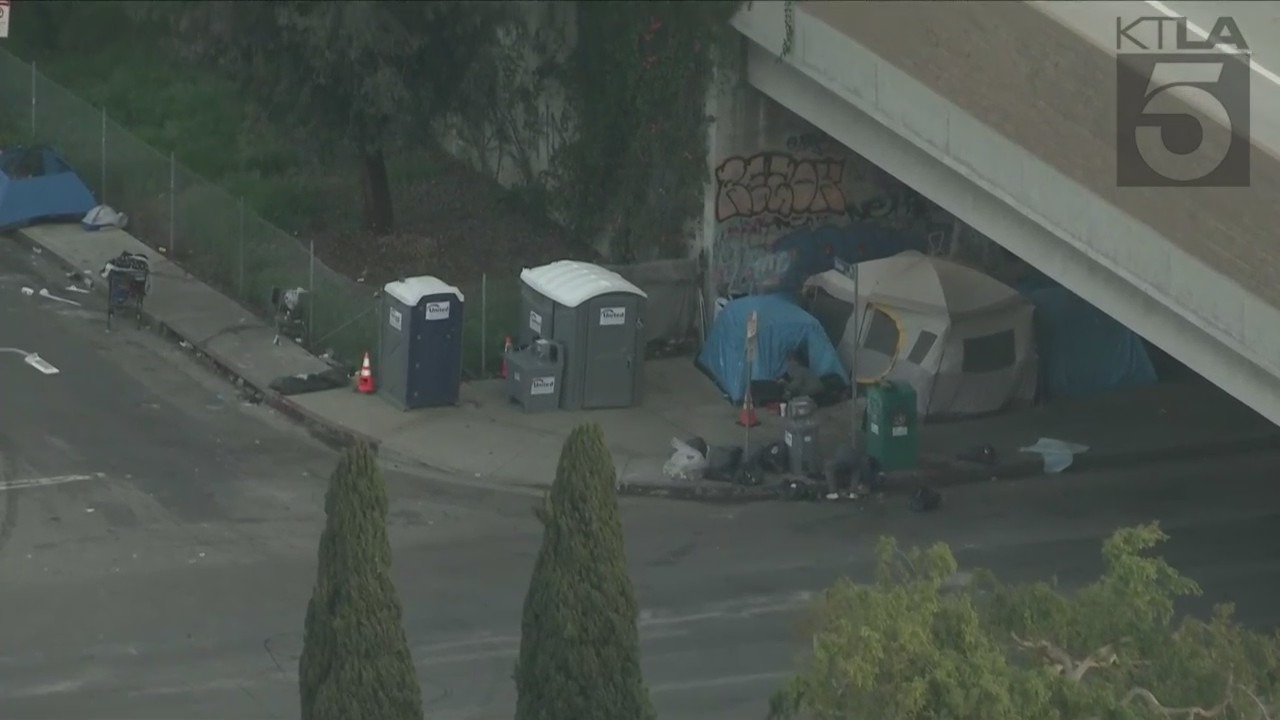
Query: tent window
x=882 y=334
x=989 y=353
x=924 y=343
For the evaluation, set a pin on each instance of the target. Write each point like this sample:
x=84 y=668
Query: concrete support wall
x=773 y=174
x=1121 y=266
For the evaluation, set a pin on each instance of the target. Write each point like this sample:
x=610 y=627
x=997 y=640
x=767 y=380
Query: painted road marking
x=47 y=481
x=41 y=364
x=44 y=293
x=1200 y=33
x=33 y=360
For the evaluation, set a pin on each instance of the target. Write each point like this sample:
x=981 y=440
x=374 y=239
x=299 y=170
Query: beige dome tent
x=962 y=339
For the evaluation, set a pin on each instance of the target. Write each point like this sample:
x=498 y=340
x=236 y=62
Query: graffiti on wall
x=813 y=184
x=779 y=184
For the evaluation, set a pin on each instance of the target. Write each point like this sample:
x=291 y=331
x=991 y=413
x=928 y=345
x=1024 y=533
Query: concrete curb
x=950 y=474
x=332 y=434
x=703 y=491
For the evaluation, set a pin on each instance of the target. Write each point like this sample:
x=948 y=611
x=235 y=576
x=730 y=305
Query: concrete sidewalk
x=488 y=441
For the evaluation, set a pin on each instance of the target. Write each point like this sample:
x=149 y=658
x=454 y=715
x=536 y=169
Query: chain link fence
x=213 y=235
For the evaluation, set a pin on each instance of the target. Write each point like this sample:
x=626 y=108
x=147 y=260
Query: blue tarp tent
x=781 y=326
x=36 y=184
x=1082 y=349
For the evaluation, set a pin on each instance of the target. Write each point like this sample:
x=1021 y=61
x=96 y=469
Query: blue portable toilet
x=420 y=353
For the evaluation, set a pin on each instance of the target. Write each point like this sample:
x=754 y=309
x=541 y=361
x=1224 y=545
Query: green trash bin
x=892 y=429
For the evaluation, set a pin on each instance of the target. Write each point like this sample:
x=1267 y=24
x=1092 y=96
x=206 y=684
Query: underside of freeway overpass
x=1005 y=118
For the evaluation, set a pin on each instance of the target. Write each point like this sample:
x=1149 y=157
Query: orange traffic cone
x=747 y=417
x=364 y=380
x=506 y=350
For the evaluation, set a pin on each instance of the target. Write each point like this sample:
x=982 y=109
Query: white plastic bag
x=686 y=463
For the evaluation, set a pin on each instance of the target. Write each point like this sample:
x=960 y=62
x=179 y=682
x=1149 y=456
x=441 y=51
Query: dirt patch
x=457 y=225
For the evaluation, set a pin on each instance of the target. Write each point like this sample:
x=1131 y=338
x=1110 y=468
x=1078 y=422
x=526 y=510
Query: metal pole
x=484 y=324
x=33 y=101
x=173 y=204
x=102 y=185
x=240 y=249
x=311 y=290
x=856 y=417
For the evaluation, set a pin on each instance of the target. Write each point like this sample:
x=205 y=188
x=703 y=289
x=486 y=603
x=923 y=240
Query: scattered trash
x=81 y=280
x=75 y=289
x=801 y=490
x=686 y=463
x=36 y=250
x=1058 y=455
x=88 y=509
x=925 y=500
x=28 y=291
x=982 y=454
x=44 y=293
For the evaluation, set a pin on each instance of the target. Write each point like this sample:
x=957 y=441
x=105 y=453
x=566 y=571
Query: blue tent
x=36 y=185
x=1082 y=349
x=781 y=326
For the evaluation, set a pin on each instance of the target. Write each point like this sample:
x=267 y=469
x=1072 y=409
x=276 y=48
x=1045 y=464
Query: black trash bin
x=420 y=358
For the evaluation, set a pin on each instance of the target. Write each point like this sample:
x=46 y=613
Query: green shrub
x=355 y=658
x=579 y=645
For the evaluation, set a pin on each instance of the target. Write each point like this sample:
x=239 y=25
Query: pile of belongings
x=694 y=459
x=137 y=265
x=104 y=216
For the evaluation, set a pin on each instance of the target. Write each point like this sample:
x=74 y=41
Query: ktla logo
x=1182 y=103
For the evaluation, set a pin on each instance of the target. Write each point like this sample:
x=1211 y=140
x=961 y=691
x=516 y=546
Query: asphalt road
x=174 y=583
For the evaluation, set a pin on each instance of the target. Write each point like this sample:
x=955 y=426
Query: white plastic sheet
x=1058 y=455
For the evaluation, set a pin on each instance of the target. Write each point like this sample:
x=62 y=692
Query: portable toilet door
x=613 y=364
x=392 y=372
x=432 y=340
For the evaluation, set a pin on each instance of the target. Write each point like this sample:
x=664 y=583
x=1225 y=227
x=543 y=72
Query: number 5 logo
x=1165 y=121
x=1185 y=122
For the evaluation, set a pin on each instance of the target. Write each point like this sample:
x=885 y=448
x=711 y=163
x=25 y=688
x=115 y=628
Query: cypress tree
x=355 y=657
x=579 y=645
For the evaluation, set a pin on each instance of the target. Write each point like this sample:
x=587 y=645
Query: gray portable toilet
x=420 y=353
x=598 y=318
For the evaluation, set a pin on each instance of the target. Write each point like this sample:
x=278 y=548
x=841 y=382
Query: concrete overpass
x=1004 y=114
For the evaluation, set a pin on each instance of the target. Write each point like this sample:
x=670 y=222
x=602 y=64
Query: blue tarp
x=36 y=184
x=816 y=250
x=781 y=326
x=1082 y=349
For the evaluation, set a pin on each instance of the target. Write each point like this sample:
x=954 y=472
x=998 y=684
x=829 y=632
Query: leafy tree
x=913 y=646
x=579 y=646
x=352 y=75
x=355 y=658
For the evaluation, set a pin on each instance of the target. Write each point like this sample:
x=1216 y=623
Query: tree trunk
x=379 y=216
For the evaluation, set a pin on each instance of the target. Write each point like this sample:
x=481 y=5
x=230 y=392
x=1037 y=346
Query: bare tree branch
x=1066 y=665
x=1185 y=713
x=1262 y=708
